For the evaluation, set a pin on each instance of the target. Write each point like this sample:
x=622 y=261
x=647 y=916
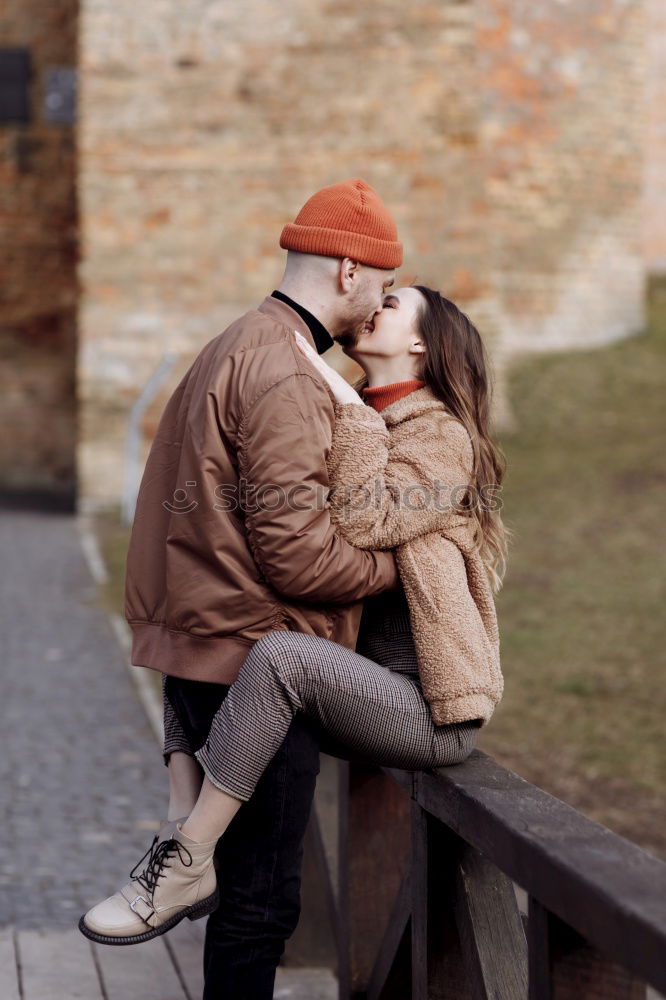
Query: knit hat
x=346 y=220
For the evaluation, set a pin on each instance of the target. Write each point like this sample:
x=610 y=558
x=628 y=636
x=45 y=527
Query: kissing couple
x=285 y=628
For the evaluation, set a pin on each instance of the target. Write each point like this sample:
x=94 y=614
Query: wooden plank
x=139 y=969
x=373 y=857
x=305 y=984
x=609 y=890
x=563 y=966
x=419 y=920
x=186 y=946
x=405 y=779
x=57 y=963
x=491 y=929
x=583 y=973
x=314 y=941
x=576 y=970
x=391 y=975
x=320 y=856
x=538 y=939
x=343 y=935
x=438 y=968
x=9 y=988
x=326 y=801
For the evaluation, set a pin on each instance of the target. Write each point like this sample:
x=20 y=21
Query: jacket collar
x=284 y=314
x=320 y=334
x=412 y=405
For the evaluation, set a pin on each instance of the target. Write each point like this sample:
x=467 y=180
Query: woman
x=411 y=468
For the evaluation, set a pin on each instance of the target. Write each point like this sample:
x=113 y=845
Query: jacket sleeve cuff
x=353 y=413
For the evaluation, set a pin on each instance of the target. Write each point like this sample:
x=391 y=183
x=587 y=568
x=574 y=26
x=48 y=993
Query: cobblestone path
x=82 y=783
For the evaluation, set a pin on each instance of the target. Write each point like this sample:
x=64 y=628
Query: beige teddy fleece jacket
x=393 y=475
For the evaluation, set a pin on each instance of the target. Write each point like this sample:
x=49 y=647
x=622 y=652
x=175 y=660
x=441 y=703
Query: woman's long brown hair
x=455 y=369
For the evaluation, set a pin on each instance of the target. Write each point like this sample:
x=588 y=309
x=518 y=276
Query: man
x=232 y=539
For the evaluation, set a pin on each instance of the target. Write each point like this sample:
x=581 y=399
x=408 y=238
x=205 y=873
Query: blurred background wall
x=519 y=145
x=38 y=241
x=655 y=158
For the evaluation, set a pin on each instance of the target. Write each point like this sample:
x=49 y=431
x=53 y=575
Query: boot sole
x=195 y=912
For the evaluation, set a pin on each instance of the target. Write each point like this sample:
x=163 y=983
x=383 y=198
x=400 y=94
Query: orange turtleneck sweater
x=383 y=395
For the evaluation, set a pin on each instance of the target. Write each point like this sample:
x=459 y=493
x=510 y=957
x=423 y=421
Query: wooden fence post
x=597 y=917
x=490 y=928
x=438 y=969
x=373 y=861
x=563 y=966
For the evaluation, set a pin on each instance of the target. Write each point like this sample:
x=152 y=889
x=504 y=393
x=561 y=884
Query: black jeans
x=260 y=854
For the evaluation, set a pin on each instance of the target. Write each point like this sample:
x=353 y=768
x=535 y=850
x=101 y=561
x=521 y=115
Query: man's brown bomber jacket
x=232 y=536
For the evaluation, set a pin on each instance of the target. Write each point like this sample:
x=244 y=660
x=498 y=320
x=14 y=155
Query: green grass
x=113 y=537
x=582 y=620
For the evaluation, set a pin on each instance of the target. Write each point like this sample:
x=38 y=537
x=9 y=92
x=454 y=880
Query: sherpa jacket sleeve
x=389 y=487
x=283 y=442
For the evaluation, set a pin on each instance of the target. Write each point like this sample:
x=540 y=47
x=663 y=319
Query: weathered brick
x=504 y=135
x=655 y=164
x=508 y=137
x=38 y=285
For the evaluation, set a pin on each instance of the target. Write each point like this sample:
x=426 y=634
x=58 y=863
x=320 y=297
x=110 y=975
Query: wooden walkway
x=64 y=965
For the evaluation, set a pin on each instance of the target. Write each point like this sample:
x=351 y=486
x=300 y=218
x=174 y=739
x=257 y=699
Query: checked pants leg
x=260 y=855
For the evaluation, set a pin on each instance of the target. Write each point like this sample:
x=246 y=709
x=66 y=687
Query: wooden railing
x=423 y=902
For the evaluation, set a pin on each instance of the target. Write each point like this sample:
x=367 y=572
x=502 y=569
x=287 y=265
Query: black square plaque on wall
x=14 y=85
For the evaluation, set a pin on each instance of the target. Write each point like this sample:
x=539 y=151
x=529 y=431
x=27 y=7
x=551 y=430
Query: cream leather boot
x=179 y=880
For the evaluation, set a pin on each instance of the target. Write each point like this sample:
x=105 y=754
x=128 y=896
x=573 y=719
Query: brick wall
x=564 y=125
x=655 y=165
x=38 y=288
x=505 y=136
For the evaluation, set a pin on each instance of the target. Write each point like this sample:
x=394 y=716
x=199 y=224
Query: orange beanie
x=346 y=220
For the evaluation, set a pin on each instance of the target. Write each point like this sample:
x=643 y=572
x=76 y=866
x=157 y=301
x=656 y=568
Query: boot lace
x=157 y=855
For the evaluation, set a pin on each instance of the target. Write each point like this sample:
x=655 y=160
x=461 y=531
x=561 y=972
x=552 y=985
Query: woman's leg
x=185 y=779
x=378 y=713
x=151 y=902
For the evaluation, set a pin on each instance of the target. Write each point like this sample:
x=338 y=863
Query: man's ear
x=349 y=270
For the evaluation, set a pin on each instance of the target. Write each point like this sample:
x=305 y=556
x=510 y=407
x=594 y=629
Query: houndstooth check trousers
x=368 y=700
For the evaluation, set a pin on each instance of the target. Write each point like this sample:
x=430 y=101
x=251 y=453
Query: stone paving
x=82 y=786
x=82 y=783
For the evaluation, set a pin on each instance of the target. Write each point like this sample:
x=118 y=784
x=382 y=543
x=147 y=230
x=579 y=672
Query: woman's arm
x=391 y=487
x=387 y=488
